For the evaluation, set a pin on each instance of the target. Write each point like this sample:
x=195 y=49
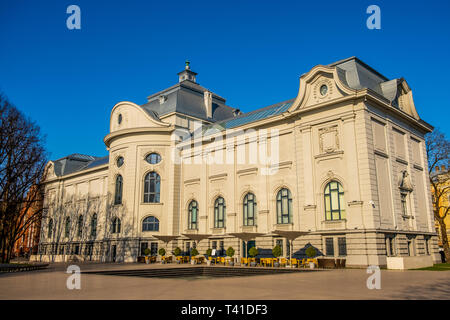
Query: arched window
x=284 y=206
x=219 y=213
x=192 y=215
x=119 y=187
x=50 y=229
x=334 y=201
x=94 y=225
x=152 y=186
x=116 y=224
x=249 y=209
x=80 y=226
x=67 y=228
x=150 y=224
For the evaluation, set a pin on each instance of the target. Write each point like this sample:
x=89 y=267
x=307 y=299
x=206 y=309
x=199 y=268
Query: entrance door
x=113 y=252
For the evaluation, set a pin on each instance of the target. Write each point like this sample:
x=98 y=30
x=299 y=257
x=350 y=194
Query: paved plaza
x=323 y=284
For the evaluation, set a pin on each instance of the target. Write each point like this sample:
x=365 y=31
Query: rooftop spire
x=187 y=73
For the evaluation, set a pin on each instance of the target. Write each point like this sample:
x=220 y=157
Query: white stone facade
x=371 y=145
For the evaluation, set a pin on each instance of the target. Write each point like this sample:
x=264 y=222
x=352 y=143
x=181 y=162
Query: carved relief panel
x=329 y=139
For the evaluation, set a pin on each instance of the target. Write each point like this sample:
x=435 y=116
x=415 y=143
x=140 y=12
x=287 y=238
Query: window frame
x=247 y=203
x=149 y=158
x=67 y=228
x=281 y=204
x=219 y=212
x=118 y=190
x=155 y=178
x=146 y=224
x=116 y=225
x=328 y=201
x=94 y=226
x=193 y=225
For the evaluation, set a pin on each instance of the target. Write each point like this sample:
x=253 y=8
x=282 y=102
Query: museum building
x=342 y=167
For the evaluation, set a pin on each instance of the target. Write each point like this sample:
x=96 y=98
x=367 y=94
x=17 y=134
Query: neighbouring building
x=441 y=173
x=28 y=243
x=342 y=166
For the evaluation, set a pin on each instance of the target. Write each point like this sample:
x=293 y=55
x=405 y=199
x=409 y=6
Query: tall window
x=94 y=225
x=150 y=224
x=50 y=229
x=284 y=206
x=249 y=209
x=80 y=226
x=342 y=246
x=116 y=224
x=219 y=213
x=334 y=201
x=404 y=205
x=67 y=228
x=192 y=215
x=152 y=186
x=329 y=247
x=119 y=187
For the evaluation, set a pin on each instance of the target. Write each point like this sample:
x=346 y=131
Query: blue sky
x=250 y=52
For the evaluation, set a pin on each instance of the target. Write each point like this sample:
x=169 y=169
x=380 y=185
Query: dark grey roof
x=77 y=162
x=249 y=117
x=186 y=97
x=357 y=75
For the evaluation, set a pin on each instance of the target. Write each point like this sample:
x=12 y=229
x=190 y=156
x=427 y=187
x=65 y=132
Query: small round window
x=119 y=119
x=153 y=158
x=119 y=161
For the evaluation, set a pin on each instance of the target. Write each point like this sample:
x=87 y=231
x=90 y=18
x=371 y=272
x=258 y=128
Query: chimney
x=436 y=168
x=442 y=168
x=207 y=99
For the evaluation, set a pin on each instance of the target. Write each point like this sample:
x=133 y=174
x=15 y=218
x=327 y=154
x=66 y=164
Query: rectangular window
x=404 y=206
x=279 y=242
x=329 y=247
x=409 y=248
x=427 y=246
x=154 y=248
x=144 y=245
x=390 y=249
x=214 y=245
x=222 y=248
x=342 y=246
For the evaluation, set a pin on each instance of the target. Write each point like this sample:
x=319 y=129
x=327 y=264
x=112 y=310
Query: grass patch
x=437 y=267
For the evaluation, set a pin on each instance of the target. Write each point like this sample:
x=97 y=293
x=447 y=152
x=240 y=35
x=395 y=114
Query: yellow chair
x=283 y=262
x=294 y=262
x=262 y=261
x=244 y=261
x=303 y=262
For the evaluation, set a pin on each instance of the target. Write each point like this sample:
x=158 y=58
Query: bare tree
x=73 y=227
x=22 y=162
x=438 y=152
